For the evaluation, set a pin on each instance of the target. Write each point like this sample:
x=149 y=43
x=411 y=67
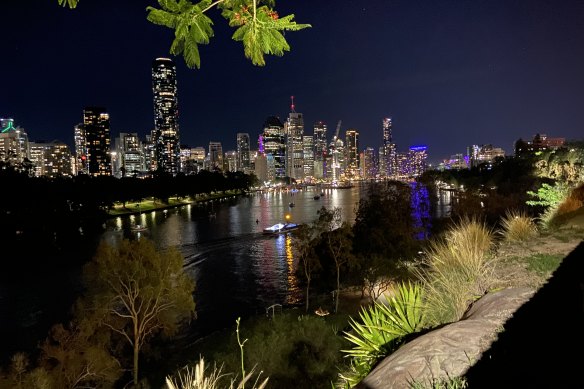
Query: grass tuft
x=456 y=271
x=518 y=227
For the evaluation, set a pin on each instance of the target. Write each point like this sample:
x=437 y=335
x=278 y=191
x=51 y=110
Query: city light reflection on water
x=237 y=269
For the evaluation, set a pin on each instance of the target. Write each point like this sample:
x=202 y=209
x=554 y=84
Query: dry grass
x=457 y=270
x=518 y=227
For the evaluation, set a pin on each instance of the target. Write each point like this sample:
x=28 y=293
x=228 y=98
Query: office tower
x=81 y=165
x=294 y=129
x=416 y=161
x=216 y=160
x=231 y=161
x=96 y=124
x=243 y=158
x=369 y=167
x=274 y=146
x=51 y=159
x=319 y=150
x=308 y=154
x=389 y=150
x=337 y=160
x=129 y=154
x=167 y=139
x=352 y=154
x=14 y=147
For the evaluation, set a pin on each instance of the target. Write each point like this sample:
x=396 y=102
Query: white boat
x=139 y=228
x=280 y=228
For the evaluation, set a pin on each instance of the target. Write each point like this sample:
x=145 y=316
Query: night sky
x=449 y=73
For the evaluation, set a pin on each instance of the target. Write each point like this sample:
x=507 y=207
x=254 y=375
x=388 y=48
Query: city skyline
x=448 y=75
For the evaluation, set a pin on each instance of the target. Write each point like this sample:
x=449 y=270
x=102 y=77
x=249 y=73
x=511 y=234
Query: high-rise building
x=14 y=147
x=308 y=153
x=51 y=159
x=167 y=138
x=417 y=158
x=319 y=150
x=231 y=161
x=294 y=129
x=243 y=158
x=96 y=124
x=389 y=164
x=216 y=157
x=129 y=152
x=337 y=160
x=369 y=168
x=352 y=154
x=81 y=164
x=274 y=146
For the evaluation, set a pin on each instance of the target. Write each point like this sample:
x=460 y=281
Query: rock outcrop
x=513 y=338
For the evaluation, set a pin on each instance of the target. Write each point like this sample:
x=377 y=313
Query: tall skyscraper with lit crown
x=167 y=138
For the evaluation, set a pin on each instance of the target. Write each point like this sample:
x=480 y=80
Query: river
x=238 y=270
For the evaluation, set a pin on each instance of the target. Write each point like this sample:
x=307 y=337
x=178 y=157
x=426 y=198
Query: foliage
x=308 y=262
x=457 y=270
x=548 y=195
x=336 y=238
x=563 y=164
x=258 y=27
x=139 y=291
x=380 y=329
x=555 y=200
x=518 y=227
x=383 y=224
x=198 y=378
x=78 y=356
x=294 y=351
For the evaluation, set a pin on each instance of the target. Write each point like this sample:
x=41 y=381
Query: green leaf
x=68 y=3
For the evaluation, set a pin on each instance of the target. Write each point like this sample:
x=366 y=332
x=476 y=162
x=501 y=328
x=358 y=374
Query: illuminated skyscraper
x=308 y=155
x=96 y=125
x=417 y=164
x=319 y=150
x=294 y=129
x=216 y=161
x=243 y=158
x=370 y=164
x=389 y=156
x=274 y=146
x=51 y=159
x=167 y=137
x=14 y=146
x=352 y=154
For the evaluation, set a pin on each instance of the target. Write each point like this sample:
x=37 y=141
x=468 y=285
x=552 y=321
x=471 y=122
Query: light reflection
x=291 y=297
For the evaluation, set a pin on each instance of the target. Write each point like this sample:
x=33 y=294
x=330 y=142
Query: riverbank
x=152 y=204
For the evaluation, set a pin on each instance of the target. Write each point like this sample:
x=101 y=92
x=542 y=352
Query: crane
x=337 y=130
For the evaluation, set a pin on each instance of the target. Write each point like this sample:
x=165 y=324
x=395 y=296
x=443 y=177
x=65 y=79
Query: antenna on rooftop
x=292 y=105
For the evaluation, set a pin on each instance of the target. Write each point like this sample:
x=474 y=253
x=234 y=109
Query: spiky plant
x=518 y=227
x=380 y=329
x=198 y=378
x=456 y=271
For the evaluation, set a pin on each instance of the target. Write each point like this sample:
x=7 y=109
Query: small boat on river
x=139 y=228
x=291 y=205
x=280 y=228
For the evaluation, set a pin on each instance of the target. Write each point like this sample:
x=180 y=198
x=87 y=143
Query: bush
x=294 y=351
x=456 y=271
x=518 y=227
x=380 y=330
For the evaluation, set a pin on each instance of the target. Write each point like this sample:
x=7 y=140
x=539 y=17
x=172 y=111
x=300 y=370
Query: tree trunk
x=338 y=288
x=136 y=351
x=307 y=294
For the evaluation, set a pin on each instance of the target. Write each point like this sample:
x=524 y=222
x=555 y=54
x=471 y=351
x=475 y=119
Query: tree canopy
x=258 y=26
x=139 y=291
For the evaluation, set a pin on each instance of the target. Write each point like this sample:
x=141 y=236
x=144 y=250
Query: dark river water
x=238 y=270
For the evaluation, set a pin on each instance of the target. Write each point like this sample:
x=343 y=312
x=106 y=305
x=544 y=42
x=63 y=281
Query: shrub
x=518 y=227
x=456 y=271
x=380 y=330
